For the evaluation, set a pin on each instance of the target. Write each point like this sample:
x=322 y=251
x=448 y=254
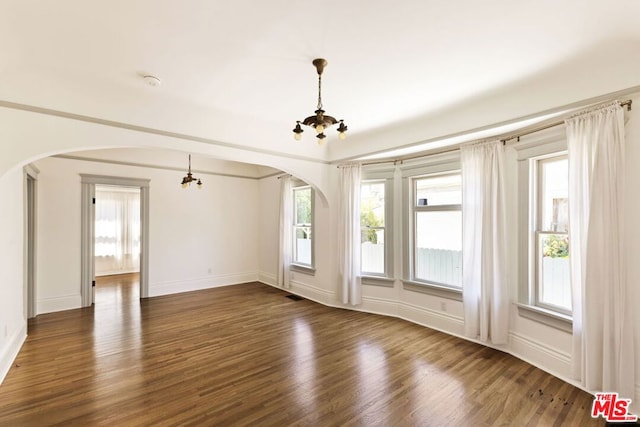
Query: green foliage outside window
x=556 y=246
x=369 y=219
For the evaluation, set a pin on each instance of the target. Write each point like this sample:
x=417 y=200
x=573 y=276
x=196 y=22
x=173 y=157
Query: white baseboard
x=311 y=292
x=379 y=306
x=199 y=283
x=438 y=320
x=51 y=305
x=540 y=355
x=268 y=278
x=9 y=353
x=116 y=272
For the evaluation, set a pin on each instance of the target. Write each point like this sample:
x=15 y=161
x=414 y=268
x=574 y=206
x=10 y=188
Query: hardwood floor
x=246 y=355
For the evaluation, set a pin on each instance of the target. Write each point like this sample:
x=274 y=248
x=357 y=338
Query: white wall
x=13 y=327
x=197 y=238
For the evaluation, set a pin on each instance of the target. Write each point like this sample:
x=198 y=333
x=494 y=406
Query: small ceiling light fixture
x=189 y=178
x=319 y=121
x=152 y=80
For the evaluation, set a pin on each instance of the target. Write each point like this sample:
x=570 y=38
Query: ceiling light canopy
x=320 y=121
x=189 y=178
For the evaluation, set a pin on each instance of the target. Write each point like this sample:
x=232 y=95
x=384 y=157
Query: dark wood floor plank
x=245 y=355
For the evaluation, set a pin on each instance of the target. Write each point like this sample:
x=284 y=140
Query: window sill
x=431 y=289
x=304 y=269
x=386 y=282
x=546 y=317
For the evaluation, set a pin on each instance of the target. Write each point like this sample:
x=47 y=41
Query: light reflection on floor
x=116 y=306
x=304 y=365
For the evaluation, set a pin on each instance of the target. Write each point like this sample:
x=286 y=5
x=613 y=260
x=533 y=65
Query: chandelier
x=320 y=121
x=189 y=178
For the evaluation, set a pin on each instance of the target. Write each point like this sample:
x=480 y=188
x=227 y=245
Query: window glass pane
x=372 y=204
x=439 y=190
x=438 y=248
x=372 y=208
x=303 y=205
x=554 y=285
x=554 y=195
x=372 y=250
x=302 y=245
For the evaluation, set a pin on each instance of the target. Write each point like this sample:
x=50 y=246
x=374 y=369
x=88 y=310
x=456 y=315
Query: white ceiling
x=240 y=71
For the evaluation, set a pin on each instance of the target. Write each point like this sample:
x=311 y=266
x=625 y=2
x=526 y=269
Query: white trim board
x=200 y=283
x=51 y=305
x=11 y=350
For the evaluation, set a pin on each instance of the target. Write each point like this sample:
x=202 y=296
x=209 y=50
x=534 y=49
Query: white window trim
x=385 y=279
x=544 y=144
x=439 y=164
x=298 y=266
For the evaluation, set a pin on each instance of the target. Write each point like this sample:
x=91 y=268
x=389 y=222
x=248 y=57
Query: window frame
x=416 y=209
x=385 y=278
x=296 y=265
x=545 y=144
x=536 y=164
x=443 y=163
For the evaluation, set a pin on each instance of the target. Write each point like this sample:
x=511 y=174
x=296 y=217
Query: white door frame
x=30 y=240
x=88 y=233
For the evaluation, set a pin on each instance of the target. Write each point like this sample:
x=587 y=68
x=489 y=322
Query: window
x=437 y=230
x=302 y=226
x=372 y=221
x=552 y=286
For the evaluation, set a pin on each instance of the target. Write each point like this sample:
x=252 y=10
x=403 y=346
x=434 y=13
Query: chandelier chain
x=319 y=92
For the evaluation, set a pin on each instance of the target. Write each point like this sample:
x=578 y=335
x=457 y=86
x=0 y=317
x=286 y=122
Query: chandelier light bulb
x=184 y=185
x=297 y=136
x=319 y=128
x=342 y=136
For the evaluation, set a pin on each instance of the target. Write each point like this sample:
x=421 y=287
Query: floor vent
x=295 y=297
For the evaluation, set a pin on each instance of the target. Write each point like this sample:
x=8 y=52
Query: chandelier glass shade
x=189 y=178
x=319 y=121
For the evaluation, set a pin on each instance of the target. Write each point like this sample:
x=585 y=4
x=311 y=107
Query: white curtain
x=603 y=335
x=484 y=284
x=117 y=231
x=286 y=231
x=349 y=234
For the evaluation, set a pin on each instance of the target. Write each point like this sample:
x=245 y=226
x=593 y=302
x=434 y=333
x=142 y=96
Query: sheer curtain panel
x=117 y=230
x=484 y=285
x=286 y=231
x=349 y=234
x=603 y=330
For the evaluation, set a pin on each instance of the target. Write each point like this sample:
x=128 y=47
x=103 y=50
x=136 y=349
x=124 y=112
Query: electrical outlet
x=443 y=306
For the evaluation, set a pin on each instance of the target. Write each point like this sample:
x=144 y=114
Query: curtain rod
x=504 y=140
x=517 y=136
